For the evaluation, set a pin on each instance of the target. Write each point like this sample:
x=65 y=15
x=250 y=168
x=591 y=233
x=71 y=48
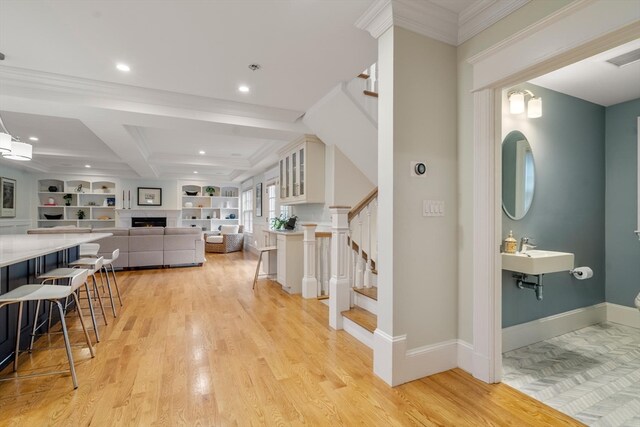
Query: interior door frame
x=579 y=30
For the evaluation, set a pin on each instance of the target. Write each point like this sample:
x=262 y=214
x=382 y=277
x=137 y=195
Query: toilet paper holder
x=581 y=273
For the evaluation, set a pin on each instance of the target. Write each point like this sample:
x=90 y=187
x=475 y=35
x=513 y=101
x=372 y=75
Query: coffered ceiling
x=59 y=81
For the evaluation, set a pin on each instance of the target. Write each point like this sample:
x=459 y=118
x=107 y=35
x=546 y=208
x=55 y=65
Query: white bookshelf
x=199 y=209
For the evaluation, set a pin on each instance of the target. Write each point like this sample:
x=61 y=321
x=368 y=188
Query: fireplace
x=149 y=221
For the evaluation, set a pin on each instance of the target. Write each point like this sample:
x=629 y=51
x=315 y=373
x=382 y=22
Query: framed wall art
x=149 y=196
x=8 y=189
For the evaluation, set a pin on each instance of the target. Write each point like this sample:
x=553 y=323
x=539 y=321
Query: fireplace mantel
x=123 y=216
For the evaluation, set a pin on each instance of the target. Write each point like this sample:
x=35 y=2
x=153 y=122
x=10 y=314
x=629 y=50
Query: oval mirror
x=518 y=175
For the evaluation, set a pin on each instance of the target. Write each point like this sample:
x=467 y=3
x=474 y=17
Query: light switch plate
x=433 y=208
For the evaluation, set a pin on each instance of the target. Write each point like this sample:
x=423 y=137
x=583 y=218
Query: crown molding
x=427 y=19
x=431 y=20
x=377 y=19
x=483 y=14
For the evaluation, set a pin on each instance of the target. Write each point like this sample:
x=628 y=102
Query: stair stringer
x=337 y=119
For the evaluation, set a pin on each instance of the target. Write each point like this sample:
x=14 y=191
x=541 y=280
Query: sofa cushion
x=113 y=230
x=229 y=229
x=59 y=230
x=215 y=239
x=146 y=231
x=182 y=230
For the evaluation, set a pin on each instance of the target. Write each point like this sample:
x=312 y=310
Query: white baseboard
x=358 y=332
x=396 y=365
x=465 y=356
x=628 y=316
x=548 y=327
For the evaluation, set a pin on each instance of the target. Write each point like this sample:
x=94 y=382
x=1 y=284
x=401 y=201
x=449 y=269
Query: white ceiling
x=187 y=58
x=595 y=80
x=59 y=81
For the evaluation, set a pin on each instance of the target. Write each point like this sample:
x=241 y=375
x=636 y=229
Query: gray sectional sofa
x=145 y=246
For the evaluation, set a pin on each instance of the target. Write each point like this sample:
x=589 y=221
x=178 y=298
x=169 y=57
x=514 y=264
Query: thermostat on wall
x=418 y=168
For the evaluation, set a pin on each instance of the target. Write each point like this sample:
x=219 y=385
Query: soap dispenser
x=510 y=244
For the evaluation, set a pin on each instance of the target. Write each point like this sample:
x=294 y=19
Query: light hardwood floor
x=196 y=346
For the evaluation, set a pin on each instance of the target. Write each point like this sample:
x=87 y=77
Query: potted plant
x=80 y=214
x=67 y=199
x=210 y=190
x=279 y=222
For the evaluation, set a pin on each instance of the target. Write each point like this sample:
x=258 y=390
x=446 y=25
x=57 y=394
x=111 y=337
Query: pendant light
x=12 y=148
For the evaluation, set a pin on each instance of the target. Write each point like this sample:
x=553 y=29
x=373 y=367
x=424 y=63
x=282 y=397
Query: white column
x=309 y=280
x=339 y=282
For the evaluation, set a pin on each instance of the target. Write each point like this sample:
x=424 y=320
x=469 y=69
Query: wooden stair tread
x=362 y=317
x=371 y=292
x=369 y=93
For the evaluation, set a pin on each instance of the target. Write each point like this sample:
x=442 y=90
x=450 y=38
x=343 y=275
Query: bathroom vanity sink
x=538 y=262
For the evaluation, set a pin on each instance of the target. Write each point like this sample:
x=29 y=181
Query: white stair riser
x=365 y=302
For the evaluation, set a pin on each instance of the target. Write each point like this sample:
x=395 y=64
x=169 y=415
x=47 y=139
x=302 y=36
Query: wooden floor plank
x=196 y=346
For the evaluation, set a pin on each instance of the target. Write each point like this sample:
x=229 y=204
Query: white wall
x=26 y=200
x=424 y=248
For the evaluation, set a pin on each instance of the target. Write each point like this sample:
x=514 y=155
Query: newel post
x=309 y=280
x=339 y=297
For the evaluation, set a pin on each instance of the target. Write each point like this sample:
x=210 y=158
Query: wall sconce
x=516 y=103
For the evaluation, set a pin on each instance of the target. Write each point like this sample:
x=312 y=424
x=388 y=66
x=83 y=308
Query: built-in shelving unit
x=97 y=199
x=208 y=210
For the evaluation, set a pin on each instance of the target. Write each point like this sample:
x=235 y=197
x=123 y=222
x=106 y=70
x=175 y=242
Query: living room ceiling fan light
x=5 y=143
x=20 y=151
x=12 y=148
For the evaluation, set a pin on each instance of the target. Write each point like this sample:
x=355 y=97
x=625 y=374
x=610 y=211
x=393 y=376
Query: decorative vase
x=51 y=201
x=53 y=188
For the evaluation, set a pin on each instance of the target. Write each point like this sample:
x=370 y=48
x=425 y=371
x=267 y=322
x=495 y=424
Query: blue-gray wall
x=622 y=245
x=568 y=209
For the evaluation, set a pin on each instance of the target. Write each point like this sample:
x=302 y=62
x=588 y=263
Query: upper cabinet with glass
x=302 y=171
x=518 y=175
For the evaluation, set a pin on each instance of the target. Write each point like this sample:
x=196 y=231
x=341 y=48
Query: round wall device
x=420 y=168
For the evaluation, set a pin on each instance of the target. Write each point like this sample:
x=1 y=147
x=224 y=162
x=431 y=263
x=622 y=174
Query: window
x=285 y=211
x=247 y=210
x=271 y=201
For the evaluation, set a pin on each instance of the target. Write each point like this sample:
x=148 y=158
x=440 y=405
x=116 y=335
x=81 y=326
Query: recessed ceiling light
x=195 y=171
x=123 y=67
x=87 y=166
x=243 y=88
x=33 y=138
x=201 y=152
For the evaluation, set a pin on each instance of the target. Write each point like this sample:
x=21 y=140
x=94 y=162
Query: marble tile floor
x=592 y=374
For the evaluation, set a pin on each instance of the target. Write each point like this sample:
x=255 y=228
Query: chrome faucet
x=525 y=246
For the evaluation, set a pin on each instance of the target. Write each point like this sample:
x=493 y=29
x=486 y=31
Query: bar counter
x=22 y=259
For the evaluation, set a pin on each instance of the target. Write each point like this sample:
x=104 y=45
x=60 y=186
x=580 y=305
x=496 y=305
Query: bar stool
x=261 y=250
x=108 y=262
x=62 y=274
x=89 y=250
x=94 y=265
x=52 y=293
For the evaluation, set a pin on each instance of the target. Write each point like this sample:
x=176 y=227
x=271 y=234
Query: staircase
x=347 y=117
x=361 y=318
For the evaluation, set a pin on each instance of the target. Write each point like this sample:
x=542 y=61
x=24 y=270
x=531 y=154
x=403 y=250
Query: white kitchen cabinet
x=301 y=169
